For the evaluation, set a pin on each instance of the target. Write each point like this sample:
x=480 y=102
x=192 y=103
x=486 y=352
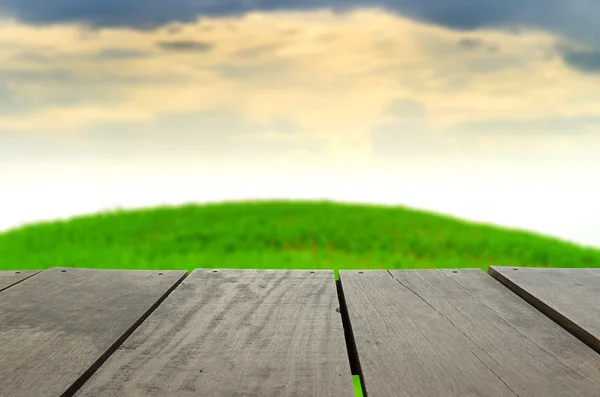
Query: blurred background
x=486 y=110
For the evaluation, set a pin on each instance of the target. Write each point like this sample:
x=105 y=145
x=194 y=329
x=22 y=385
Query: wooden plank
x=570 y=297
x=9 y=278
x=440 y=333
x=235 y=333
x=55 y=327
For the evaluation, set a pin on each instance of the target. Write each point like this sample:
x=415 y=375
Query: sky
x=488 y=110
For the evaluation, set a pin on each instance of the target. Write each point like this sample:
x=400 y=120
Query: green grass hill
x=280 y=235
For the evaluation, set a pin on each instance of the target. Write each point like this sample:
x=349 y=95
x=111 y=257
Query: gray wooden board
x=440 y=333
x=571 y=297
x=8 y=278
x=235 y=333
x=56 y=325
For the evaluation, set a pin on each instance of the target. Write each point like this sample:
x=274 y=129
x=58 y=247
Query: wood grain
x=235 y=333
x=570 y=297
x=8 y=278
x=441 y=333
x=56 y=325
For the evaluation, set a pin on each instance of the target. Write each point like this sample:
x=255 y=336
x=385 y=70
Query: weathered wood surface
x=8 y=278
x=235 y=333
x=58 y=324
x=571 y=297
x=440 y=333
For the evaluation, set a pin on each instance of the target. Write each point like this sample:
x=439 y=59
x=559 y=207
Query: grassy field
x=280 y=234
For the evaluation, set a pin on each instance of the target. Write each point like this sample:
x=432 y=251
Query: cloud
x=471 y=43
x=406 y=134
x=577 y=20
x=512 y=146
x=141 y=14
x=210 y=135
x=402 y=139
x=258 y=51
x=198 y=137
x=120 y=54
x=187 y=45
x=406 y=108
x=585 y=60
x=464 y=14
x=8 y=104
x=105 y=54
x=345 y=87
x=567 y=126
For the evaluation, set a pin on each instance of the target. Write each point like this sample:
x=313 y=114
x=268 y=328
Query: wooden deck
x=215 y=332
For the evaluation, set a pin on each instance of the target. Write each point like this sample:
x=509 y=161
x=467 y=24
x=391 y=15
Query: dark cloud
x=465 y=14
x=574 y=20
x=140 y=14
x=109 y=54
x=174 y=29
x=185 y=45
x=471 y=43
x=120 y=54
x=152 y=13
x=460 y=14
x=583 y=60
